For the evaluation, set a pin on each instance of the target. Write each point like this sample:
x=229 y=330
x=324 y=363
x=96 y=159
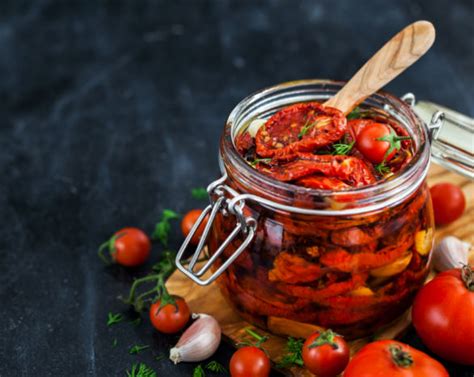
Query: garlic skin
x=255 y=126
x=199 y=341
x=450 y=253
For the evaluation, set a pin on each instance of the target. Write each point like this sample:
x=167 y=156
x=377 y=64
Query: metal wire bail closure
x=220 y=202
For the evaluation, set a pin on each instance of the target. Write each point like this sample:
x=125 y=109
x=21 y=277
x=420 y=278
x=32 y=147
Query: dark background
x=111 y=111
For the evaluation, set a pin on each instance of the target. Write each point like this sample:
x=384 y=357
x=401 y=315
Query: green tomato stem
x=400 y=357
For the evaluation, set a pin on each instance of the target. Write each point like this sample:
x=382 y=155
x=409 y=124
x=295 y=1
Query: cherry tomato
x=128 y=247
x=375 y=150
x=394 y=359
x=448 y=202
x=249 y=362
x=325 y=354
x=443 y=315
x=170 y=318
x=187 y=223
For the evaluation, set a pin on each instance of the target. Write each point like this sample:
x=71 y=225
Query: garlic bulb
x=199 y=341
x=449 y=253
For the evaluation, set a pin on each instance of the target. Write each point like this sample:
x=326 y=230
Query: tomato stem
x=260 y=339
x=110 y=245
x=100 y=253
x=325 y=337
x=400 y=357
x=163 y=294
x=394 y=140
x=467 y=276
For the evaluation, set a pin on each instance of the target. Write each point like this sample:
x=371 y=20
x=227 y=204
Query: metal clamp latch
x=220 y=196
x=451 y=134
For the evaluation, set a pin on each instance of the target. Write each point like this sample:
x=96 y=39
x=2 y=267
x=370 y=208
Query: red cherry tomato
x=187 y=223
x=448 y=203
x=375 y=150
x=325 y=354
x=249 y=362
x=169 y=318
x=394 y=359
x=443 y=315
x=128 y=247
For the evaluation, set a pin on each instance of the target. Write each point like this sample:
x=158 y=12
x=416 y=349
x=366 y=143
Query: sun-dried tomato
x=292 y=269
x=303 y=127
x=348 y=262
x=329 y=290
x=348 y=169
x=354 y=236
x=323 y=183
x=244 y=142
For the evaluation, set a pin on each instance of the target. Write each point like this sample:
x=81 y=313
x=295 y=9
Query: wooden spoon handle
x=393 y=58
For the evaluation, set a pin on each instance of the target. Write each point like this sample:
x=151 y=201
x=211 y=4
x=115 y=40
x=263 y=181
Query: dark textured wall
x=111 y=111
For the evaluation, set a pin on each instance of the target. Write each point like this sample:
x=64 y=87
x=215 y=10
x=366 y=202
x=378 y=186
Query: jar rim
x=372 y=197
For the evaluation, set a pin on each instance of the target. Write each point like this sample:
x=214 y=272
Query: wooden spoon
x=393 y=58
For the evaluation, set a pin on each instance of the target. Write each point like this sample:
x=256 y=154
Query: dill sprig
x=141 y=370
x=199 y=193
x=163 y=227
x=382 y=168
x=307 y=126
x=199 y=372
x=354 y=114
x=112 y=319
x=343 y=149
x=293 y=356
x=136 y=349
x=216 y=367
x=258 y=160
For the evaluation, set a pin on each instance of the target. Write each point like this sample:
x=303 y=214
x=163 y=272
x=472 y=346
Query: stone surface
x=112 y=111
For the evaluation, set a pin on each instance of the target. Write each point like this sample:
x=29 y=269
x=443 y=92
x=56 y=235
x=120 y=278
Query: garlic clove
x=255 y=126
x=199 y=341
x=362 y=291
x=450 y=253
x=424 y=241
x=393 y=268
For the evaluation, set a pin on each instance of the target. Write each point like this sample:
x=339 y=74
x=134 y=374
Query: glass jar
x=351 y=260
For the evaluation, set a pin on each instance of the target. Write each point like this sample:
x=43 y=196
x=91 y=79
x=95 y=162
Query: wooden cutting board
x=210 y=300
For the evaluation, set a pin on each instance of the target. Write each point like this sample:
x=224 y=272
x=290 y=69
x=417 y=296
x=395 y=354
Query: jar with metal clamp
x=347 y=260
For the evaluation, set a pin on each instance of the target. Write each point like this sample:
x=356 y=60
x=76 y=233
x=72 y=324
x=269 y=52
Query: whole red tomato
x=443 y=315
x=378 y=142
x=325 y=354
x=448 y=202
x=171 y=317
x=128 y=247
x=249 y=362
x=395 y=359
x=189 y=220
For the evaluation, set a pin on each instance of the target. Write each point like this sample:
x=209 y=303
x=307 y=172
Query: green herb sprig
x=136 y=349
x=258 y=160
x=113 y=319
x=199 y=372
x=382 y=168
x=160 y=357
x=216 y=367
x=342 y=149
x=141 y=370
x=199 y=193
x=163 y=227
x=354 y=114
x=294 y=348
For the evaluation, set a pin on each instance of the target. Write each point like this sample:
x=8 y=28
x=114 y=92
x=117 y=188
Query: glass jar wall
x=351 y=260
